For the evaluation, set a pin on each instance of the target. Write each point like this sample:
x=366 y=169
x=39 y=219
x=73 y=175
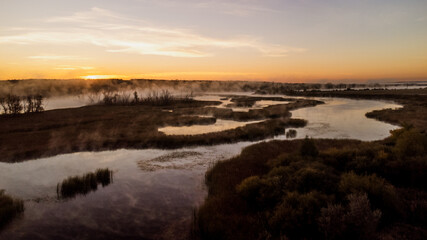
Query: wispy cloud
x=55 y=57
x=116 y=33
x=70 y=67
x=237 y=8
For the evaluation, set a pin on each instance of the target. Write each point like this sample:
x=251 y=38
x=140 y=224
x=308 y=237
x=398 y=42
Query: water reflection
x=344 y=118
x=139 y=205
x=227 y=103
x=66 y=102
x=82 y=185
x=218 y=126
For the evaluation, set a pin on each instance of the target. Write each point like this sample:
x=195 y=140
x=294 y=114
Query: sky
x=263 y=40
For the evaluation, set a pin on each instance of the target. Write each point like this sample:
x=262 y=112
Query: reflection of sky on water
x=344 y=118
x=140 y=204
x=218 y=126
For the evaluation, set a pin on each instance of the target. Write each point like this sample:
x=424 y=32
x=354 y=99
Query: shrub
x=360 y=219
x=410 y=143
x=355 y=221
x=296 y=215
x=382 y=194
x=308 y=148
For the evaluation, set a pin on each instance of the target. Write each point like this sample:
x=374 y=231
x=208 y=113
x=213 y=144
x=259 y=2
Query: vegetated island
x=325 y=188
x=116 y=123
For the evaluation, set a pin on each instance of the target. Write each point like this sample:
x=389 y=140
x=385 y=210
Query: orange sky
x=293 y=41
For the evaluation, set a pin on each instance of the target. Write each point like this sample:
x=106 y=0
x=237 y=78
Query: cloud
x=70 y=67
x=236 y=8
x=118 y=34
x=55 y=57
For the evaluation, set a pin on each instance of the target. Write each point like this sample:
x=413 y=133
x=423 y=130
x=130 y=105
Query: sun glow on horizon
x=95 y=77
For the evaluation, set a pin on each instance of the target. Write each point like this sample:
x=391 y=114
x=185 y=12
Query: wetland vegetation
x=320 y=189
x=82 y=185
x=10 y=208
x=326 y=189
x=122 y=125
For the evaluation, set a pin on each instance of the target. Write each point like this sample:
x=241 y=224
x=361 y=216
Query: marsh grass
x=82 y=185
x=9 y=208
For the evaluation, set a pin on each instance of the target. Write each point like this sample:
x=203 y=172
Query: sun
x=93 y=77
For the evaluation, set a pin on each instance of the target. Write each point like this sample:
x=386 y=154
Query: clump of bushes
x=317 y=189
x=73 y=186
x=291 y=133
x=9 y=208
x=13 y=104
x=356 y=220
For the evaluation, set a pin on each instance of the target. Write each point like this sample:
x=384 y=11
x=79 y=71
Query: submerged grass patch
x=82 y=185
x=9 y=208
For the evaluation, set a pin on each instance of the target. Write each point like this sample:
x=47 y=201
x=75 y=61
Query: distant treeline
x=56 y=87
x=13 y=104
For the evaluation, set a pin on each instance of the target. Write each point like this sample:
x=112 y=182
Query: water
x=219 y=125
x=344 y=119
x=154 y=191
x=66 y=102
x=154 y=202
x=227 y=103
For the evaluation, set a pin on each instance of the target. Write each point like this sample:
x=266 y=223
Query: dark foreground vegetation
x=82 y=185
x=107 y=127
x=9 y=208
x=320 y=189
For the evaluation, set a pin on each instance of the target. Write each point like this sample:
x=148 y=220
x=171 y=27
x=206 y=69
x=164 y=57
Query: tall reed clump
x=73 y=186
x=9 y=208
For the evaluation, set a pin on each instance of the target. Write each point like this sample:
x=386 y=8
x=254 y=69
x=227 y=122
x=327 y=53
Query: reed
x=82 y=185
x=9 y=208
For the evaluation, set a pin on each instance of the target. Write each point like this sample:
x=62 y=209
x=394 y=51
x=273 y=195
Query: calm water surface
x=344 y=118
x=154 y=191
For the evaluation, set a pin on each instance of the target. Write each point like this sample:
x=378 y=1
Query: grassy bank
x=319 y=189
x=107 y=127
